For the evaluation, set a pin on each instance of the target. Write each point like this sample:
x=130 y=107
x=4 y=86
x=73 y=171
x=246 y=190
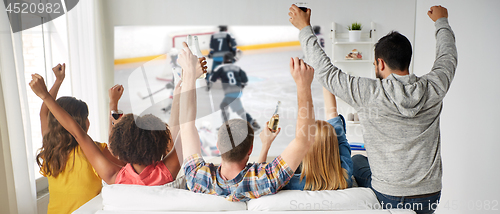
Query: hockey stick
x=145 y=97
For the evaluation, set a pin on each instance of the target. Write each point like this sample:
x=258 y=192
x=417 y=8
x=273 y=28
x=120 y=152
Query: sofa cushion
x=294 y=200
x=179 y=183
x=123 y=197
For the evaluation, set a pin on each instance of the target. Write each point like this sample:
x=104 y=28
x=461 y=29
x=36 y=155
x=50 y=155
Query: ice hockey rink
x=269 y=82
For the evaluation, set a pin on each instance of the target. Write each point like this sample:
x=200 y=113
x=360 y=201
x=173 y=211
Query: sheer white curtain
x=20 y=160
x=84 y=40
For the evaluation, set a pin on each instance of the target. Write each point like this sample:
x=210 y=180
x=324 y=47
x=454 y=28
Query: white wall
x=469 y=120
x=140 y=41
x=258 y=12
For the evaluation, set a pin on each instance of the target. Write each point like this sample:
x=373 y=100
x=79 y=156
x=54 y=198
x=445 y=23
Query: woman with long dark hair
x=72 y=180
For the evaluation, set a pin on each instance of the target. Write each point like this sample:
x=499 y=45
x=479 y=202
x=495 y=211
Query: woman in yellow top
x=72 y=180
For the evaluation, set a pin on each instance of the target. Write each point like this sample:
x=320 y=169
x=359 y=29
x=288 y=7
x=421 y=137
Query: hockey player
x=233 y=81
x=220 y=44
x=321 y=38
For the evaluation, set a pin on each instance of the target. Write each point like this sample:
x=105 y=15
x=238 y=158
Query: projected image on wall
x=145 y=64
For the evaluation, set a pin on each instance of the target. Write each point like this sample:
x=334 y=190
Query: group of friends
x=402 y=140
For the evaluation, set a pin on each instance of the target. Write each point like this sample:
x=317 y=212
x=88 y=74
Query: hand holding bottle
x=194 y=46
x=298 y=17
x=267 y=137
x=302 y=73
x=275 y=119
x=191 y=68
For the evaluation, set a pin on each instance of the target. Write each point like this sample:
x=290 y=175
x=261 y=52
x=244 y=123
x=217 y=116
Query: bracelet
x=116 y=114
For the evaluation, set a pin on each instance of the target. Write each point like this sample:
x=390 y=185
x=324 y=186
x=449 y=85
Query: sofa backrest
x=121 y=197
x=174 y=197
x=332 y=200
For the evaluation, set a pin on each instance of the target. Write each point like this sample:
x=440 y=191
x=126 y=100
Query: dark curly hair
x=140 y=140
x=58 y=143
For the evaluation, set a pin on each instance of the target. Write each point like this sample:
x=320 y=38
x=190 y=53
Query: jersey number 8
x=230 y=76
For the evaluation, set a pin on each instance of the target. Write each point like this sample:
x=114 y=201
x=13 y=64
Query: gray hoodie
x=399 y=115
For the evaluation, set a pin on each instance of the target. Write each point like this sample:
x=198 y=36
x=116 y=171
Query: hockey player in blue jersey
x=220 y=44
x=321 y=38
x=233 y=81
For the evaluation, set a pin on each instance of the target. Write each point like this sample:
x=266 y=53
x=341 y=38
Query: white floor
x=269 y=81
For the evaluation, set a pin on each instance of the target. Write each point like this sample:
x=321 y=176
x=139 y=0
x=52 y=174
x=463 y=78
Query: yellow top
x=74 y=186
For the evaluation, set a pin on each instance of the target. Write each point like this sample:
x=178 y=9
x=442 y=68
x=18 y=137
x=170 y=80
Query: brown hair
x=234 y=140
x=57 y=142
x=140 y=140
x=321 y=165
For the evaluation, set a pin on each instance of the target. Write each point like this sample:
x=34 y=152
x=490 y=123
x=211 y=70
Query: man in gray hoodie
x=399 y=112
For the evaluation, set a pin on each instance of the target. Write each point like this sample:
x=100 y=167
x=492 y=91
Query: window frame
x=47 y=29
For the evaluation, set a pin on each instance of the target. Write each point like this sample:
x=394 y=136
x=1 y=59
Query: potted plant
x=354 y=32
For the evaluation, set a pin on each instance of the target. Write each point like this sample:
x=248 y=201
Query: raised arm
x=104 y=167
x=444 y=67
x=304 y=133
x=267 y=138
x=330 y=104
x=174 y=159
x=115 y=93
x=187 y=117
x=60 y=72
x=338 y=124
x=356 y=91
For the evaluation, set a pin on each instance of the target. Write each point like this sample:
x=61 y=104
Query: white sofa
x=173 y=198
x=166 y=199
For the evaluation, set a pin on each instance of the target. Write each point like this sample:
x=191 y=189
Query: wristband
x=116 y=114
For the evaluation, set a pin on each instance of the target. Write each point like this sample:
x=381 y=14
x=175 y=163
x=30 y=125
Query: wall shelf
x=341 y=46
x=353 y=61
x=346 y=42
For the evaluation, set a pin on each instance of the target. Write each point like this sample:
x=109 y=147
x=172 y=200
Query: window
x=72 y=39
x=33 y=63
x=44 y=46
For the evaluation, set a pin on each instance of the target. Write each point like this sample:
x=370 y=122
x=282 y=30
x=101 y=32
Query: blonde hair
x=321 y=165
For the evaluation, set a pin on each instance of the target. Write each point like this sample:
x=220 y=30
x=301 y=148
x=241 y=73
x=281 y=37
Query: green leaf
x=354 y=26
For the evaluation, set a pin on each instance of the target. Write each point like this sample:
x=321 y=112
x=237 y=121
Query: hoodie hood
x=406 y=92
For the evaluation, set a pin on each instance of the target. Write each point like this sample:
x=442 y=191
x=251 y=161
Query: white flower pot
x=354 y=35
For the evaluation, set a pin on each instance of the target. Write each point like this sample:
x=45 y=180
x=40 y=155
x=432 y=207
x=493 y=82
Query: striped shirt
x=254 y=181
